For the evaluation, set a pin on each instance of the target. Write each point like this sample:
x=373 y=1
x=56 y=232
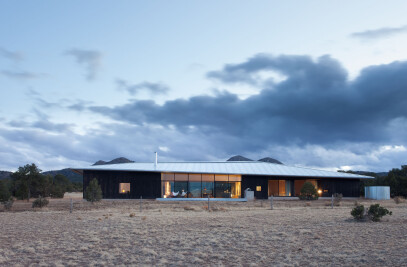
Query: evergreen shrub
x=93 y=192
x=308 y=192
x=40 y=202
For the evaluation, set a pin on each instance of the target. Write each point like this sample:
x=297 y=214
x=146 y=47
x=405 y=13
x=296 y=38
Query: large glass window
x=207 y=185
x=235 y=189
x=181 y=185
x=298 y=184
x=166 y=188
x=281 y=188
x=235 y=186
x=222 y=187
x=222 y=190
x=167 y=184
x=194 y=185
x=197 y=185
x=273 y=188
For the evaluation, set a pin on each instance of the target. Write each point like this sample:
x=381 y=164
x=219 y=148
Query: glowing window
x=124 y=188
x=258 y=188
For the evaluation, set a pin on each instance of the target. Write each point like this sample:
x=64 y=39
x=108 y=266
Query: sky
x=321 y=84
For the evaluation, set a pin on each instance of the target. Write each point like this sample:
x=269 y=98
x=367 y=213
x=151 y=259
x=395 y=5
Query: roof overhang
x=240 y=167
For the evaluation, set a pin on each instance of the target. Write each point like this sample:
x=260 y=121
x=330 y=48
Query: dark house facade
x=215 y=180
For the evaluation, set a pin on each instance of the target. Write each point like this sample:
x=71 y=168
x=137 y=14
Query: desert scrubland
x=115 y=232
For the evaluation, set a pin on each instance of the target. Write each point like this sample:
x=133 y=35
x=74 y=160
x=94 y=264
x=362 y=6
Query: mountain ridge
x=266 y=159
x=113 y=161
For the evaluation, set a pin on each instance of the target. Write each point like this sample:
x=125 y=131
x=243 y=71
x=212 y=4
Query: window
x=207 y=185
x=280 y=188
x=124 y=188
x=194 y=185
x=197 y=185
x=298 y=184
x=235 y=189
x=273 y=188
x=258 y=188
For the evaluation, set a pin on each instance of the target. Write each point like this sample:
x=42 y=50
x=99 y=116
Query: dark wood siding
x=347 y=187
x=148 y=184
x=252 y=181
x=145 y=184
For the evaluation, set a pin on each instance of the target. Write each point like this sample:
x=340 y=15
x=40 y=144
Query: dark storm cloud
x=152 y=88
x=379 y=33
x=315 y=104
x=89 y=58
x=78 y=105
x=42 y=123
x=299 y=68
x=52 y=127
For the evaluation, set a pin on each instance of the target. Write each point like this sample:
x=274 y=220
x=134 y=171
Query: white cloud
x=164 y=148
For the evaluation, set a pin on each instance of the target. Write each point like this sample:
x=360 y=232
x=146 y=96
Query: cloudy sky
x=321 y=84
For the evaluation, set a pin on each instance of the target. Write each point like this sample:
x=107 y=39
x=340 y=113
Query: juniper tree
x=93 y=192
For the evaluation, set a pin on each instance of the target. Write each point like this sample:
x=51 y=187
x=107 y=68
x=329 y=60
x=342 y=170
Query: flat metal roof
x=228 y=167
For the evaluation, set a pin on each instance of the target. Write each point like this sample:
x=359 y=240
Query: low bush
x=40 y=202
x=57 y=191
x=8 y=204
x=373 y=213
x=337 y=199
x=308 y=192
x=358 y=212
x=399 y=199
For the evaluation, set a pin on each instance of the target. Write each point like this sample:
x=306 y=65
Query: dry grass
x=242 y=234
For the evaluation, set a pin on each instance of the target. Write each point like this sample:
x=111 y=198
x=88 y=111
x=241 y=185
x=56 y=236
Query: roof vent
x=156 y=160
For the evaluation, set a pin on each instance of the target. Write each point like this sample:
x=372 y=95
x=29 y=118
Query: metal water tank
x=377 y=192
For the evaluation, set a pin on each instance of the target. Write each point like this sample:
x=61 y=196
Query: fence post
x=332 y=201
x=141 y=200
x=208 y=203
x=271 y=202
x=71 y=207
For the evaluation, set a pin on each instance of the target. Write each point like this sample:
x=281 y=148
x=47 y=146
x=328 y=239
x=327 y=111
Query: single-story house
x=215 y=180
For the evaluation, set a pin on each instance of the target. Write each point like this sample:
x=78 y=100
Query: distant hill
x=239 y=158
x=68 y=173
x=267 y=159
x=114 y=161
x=4 y=174
x=100 y=162
x=376 y=174
x=270 y=160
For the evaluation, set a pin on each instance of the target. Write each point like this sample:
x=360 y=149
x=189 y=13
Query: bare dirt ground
x=115 y=232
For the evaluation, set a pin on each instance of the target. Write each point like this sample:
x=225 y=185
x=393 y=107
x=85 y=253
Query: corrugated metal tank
x=377 y=192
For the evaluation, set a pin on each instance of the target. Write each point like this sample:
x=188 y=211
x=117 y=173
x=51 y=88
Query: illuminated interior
x=279 y=188
x=299 y=183
x=124 y=188
x=196 y=185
